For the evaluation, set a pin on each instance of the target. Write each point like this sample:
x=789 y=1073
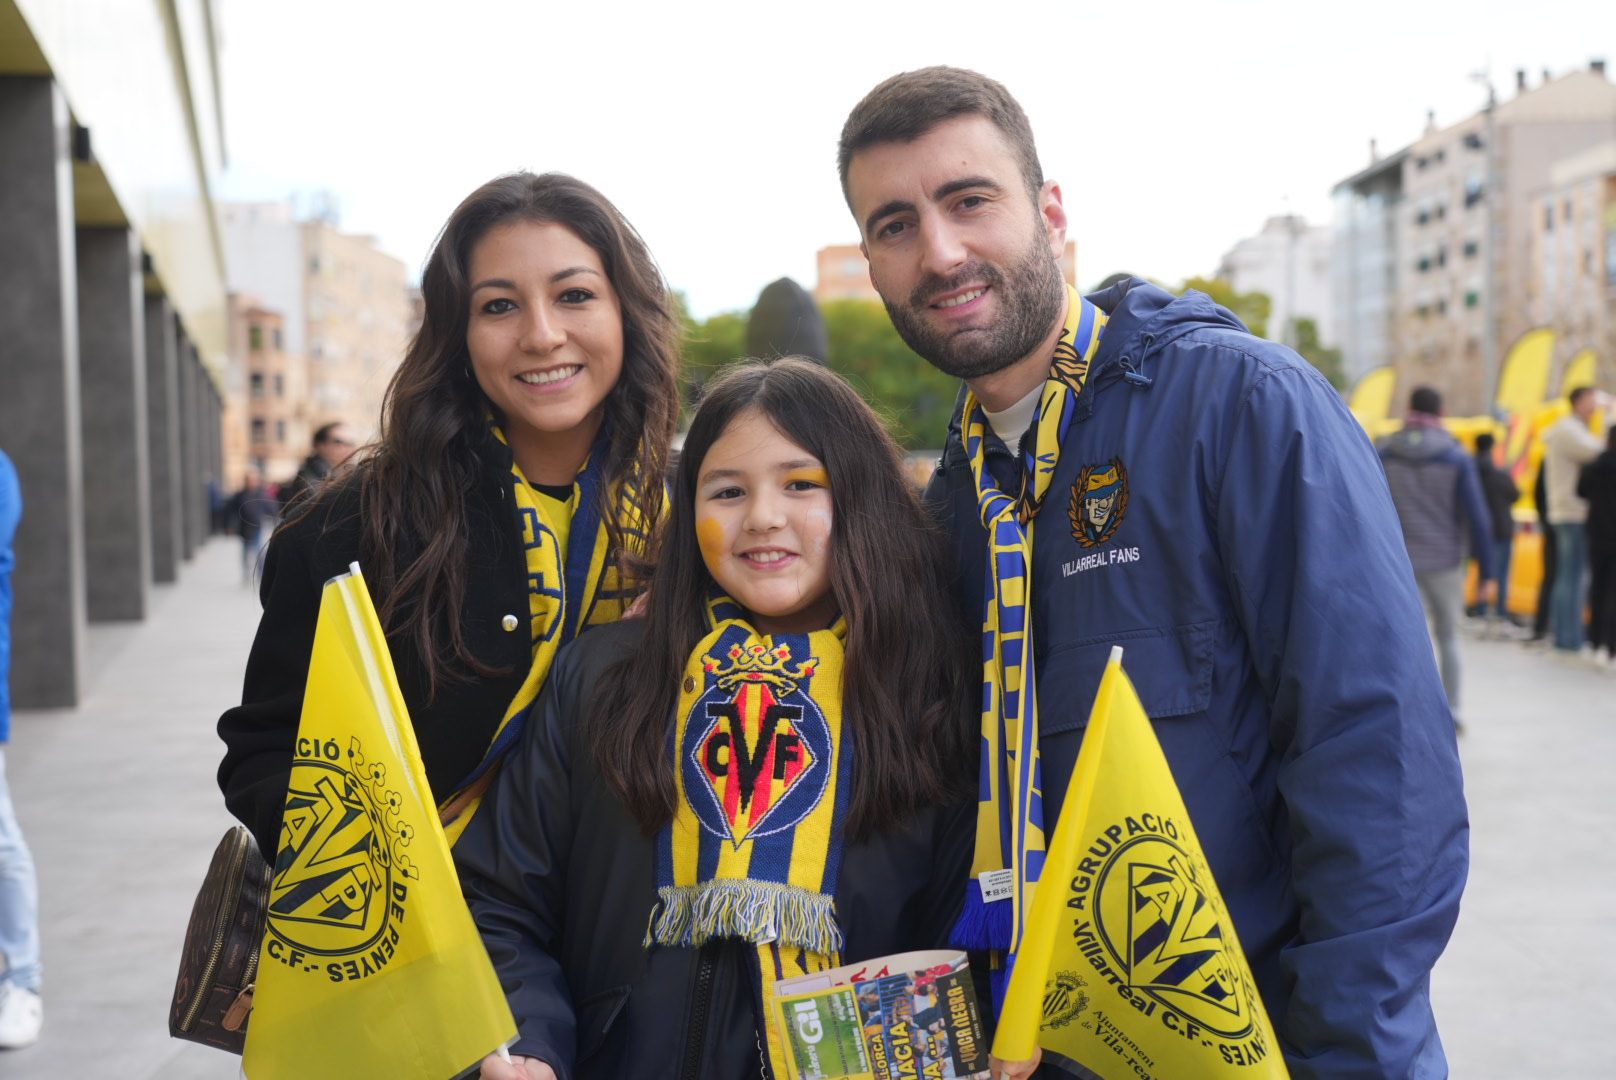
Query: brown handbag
x=219 y=962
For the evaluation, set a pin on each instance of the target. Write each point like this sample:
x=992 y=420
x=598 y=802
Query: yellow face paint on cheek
x=812 y=476
x=710 y=537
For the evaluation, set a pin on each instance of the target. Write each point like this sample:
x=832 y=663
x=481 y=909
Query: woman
x=491 y=517
x=1597 y=484
x=768 y=775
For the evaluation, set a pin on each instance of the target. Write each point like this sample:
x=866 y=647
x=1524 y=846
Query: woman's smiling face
x=763 y=519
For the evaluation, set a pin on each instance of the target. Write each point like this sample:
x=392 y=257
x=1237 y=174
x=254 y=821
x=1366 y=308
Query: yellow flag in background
x=371 y=965
x=1130 y=968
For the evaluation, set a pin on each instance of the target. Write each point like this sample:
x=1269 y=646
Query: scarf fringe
x=982 y=925
x=754 y=911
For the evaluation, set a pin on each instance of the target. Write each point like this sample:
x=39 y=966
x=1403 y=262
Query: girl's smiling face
x=763 y=519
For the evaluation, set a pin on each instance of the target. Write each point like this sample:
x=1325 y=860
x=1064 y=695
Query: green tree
x=1328 y=361
x=914 y=398
x=1252 y=308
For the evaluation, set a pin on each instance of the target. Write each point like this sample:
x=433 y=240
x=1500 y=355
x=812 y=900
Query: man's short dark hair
x=1425 y=400
x=906 y=106
x=1484 y=442
x=1578 y=394
x=323 y=434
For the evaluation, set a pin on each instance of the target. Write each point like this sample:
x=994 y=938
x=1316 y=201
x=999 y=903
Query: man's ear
x=1053 y=212
x=864 y=250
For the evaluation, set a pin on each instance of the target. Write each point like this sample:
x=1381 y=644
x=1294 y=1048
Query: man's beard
x=1029 y=303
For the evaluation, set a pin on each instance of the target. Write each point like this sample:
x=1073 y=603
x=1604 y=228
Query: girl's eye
x=576 y=296
x=801 y=485
x=498 y=306
x=726 y=493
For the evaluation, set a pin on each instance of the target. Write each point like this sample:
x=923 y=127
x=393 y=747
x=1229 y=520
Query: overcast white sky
x=1174 y=128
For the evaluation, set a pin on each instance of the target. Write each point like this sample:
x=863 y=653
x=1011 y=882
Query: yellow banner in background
x=371 y=965
x=1130 y=968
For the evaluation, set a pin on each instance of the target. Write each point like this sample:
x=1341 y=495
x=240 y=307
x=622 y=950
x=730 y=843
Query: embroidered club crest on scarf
x=763 y=775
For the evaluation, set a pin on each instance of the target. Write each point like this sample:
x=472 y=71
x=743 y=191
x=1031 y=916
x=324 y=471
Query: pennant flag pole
x=370 y=964
x=1129 y=968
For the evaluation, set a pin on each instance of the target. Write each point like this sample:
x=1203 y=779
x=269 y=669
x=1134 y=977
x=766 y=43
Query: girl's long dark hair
x=416 y=522
x=910 y=679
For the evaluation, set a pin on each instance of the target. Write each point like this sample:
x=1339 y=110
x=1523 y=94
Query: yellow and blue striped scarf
x=763 y=775
x=568 y=591
x=1009 y=855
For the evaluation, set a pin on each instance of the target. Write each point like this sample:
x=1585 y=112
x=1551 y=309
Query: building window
x=1442 y=306
x=1442 y=256
x=258 y=430
x=280 y=431
x=1548 y=217
x=1423 y=264
x=255 y=384
x=1441 y=155
x=1419 y=164
x=1565 y=214
x=1472 y=298
x=280 y=386
x=1475 y=190
x=1471 y=249
x=1472 y=141
x=255 y=338
x=280 y=340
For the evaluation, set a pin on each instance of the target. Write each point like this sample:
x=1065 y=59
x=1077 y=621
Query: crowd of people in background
x=1456 y=509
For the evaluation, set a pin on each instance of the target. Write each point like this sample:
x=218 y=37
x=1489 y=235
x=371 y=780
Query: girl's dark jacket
x=561 y=882
x=453 y=728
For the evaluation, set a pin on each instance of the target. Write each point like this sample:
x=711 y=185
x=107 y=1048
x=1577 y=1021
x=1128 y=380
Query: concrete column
x=112 y=382
x=163 y=438
x=188 y=432
x=39 y=408
x=199 y=451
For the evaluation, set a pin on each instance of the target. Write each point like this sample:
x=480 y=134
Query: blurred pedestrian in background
x=1568 y=445
x=1597 y=484
x=1438 y=496
x=1501 y=493
x=334 y=444
x=21 y=1008
x=1545 y=586
x=252 y=512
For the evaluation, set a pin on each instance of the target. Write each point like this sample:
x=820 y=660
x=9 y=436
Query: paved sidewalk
x=119 y=803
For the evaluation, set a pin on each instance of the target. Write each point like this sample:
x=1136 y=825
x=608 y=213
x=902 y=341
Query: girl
x=769 y=773
x=538 y=396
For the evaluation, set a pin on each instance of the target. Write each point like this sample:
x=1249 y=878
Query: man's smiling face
x=963 y=256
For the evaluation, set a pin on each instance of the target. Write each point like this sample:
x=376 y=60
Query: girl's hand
x=1014 y=1070
x=495 y=1067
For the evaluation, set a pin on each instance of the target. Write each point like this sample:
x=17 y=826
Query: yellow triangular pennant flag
x=371 y=965
x=1130 y=968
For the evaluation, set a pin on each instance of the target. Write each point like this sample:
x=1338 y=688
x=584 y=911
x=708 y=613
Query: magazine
x=910 y=1015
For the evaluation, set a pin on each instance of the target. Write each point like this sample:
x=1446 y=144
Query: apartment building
x=1571 y=259
x=1433 y=240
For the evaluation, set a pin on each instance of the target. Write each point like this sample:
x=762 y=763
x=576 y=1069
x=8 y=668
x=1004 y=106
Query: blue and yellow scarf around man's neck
x=1009 y=852
x=569 y=590
x=763 y=773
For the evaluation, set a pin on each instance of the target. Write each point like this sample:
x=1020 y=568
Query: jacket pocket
x=596 y=1015
x=1170 y=668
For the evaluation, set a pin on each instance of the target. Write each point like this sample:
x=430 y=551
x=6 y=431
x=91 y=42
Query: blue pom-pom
x=982 y=925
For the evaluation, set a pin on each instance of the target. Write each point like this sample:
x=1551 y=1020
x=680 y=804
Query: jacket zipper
x=706 y=972
x=226 y=915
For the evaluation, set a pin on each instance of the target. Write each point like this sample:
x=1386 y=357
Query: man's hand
x=1014 y=1070
x=495 y=1067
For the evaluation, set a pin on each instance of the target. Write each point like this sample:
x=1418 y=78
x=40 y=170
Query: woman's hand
x=1014 y=1070
x=495 y=1067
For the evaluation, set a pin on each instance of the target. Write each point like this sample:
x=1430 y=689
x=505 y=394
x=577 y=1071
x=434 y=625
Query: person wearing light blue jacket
x=1205 y=500
x=21 y=1009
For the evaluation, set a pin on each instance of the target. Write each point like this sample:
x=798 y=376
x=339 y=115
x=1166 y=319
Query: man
x=333 y=445
x=21 y=1009
x=252 y=510
x=1568 y=445
x=1249 y=561
x=1438 y=496
x=1501 y=493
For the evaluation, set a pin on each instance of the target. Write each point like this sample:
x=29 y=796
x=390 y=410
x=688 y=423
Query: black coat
x=1501 y=493
x=562 y=882
x=454 y=728
x=1597 y=484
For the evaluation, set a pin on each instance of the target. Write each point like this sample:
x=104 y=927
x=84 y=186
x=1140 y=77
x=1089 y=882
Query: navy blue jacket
x=1247 y=556
x=1438 y=496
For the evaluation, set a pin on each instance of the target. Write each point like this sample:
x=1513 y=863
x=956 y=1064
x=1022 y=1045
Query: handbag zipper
x=226 y=915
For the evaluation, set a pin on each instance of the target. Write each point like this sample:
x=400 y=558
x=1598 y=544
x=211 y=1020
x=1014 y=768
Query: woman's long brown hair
x=910 y=679
x=416 y=521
